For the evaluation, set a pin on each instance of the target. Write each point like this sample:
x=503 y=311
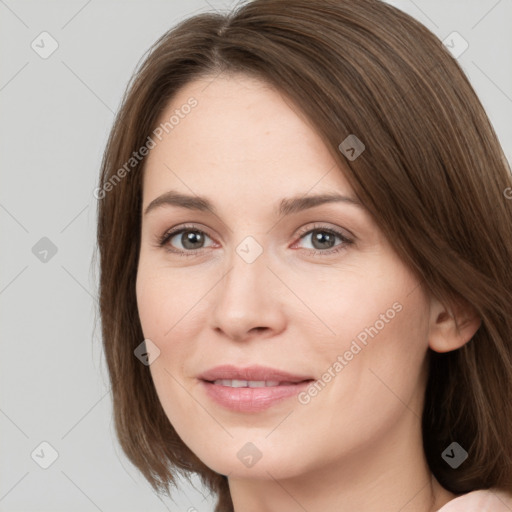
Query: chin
x=249 y=461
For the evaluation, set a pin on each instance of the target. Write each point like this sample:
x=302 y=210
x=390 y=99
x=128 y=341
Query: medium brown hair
x=433 y=176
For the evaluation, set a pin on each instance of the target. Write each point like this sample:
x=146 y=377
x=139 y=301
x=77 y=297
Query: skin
x=357 y=444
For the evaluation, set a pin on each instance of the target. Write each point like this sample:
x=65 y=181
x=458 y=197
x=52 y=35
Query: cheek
x=162 y=306
x=161 y=300
x=172 y=318
x=150 y=296
x=375 y=301
x=379 y=360
x=380 y=339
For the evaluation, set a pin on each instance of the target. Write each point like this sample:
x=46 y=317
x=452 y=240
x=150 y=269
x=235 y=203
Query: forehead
x=242 y=136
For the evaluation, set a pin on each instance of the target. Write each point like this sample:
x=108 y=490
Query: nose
x=248 y=302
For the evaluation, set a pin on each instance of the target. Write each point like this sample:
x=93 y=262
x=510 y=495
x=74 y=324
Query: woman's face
x=314 y=291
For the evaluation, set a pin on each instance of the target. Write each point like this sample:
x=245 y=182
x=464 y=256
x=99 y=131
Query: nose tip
x=247 y=305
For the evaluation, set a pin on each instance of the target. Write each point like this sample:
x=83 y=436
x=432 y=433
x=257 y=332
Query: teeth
x=258 y=383
x=247 y=383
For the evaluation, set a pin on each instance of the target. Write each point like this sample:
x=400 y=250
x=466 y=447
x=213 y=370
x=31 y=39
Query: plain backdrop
x=56 y=113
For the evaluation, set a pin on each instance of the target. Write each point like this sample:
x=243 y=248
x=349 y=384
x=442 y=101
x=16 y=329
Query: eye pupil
x=188 y=239
x=323 y=237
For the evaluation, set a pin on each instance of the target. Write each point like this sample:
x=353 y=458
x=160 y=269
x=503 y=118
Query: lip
x=251 y=399
x=255 y=372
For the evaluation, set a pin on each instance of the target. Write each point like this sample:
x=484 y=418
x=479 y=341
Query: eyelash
x=168 y=235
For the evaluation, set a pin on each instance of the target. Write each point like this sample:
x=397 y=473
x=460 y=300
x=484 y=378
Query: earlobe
x=451 y=328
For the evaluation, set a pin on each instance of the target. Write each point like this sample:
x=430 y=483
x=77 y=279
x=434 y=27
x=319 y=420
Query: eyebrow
x=287 y=206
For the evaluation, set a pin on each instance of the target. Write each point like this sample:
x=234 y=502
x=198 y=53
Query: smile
x=250 y=383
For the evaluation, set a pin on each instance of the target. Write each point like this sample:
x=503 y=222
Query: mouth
x=234 y=383
x=251 y=389
x=251 y=376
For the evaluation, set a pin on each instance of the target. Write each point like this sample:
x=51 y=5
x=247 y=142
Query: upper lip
x=256 y=373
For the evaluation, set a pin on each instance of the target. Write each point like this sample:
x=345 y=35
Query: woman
x=338 y=336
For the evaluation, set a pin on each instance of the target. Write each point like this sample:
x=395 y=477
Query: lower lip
x=251 y=399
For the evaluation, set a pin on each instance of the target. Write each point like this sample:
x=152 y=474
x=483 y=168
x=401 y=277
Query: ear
x=452 y=326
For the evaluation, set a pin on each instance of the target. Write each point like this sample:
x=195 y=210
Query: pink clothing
x=488 y=500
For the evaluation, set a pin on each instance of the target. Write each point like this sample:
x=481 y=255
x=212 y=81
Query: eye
x=184 y=241
x=323 y=240
x=189 y=240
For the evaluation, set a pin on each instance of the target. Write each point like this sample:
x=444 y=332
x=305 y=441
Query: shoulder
x=483 y=500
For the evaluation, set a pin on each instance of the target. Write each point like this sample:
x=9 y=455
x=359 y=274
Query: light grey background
x=56 y=115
